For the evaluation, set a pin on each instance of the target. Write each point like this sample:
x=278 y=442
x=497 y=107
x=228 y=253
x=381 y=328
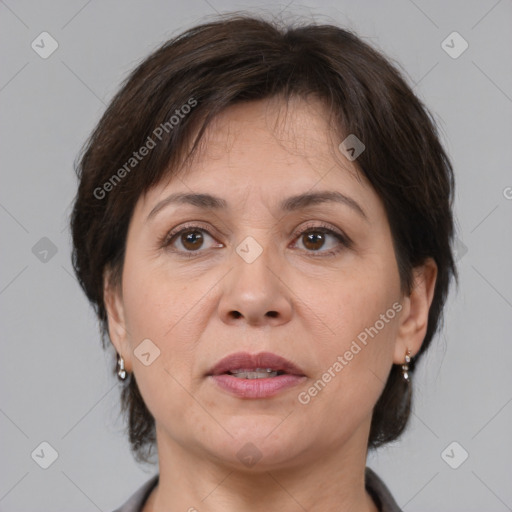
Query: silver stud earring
x=121 y=372
x=405 y=366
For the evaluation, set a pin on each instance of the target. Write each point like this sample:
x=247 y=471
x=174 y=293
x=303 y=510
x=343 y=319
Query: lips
x=255 y=376
x=252 y=362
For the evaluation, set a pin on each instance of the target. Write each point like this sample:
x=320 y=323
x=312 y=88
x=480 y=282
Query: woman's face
x=253 y=277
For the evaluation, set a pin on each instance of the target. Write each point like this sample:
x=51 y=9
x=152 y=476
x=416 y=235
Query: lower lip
x=256 y=388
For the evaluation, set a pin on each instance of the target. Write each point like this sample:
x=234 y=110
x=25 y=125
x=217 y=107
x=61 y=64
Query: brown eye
x=188 y=240
x=314 y=239
x=191 y=240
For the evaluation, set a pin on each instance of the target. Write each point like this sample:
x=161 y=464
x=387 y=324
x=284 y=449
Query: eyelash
x=168 y=238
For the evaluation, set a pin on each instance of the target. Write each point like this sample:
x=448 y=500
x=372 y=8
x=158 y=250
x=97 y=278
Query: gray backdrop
x=55 y=379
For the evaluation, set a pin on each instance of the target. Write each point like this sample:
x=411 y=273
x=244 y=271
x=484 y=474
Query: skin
x=312 y=456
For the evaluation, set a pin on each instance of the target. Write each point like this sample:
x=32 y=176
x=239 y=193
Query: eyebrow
x=290 y=204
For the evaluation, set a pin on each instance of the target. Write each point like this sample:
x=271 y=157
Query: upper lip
x=246 y=361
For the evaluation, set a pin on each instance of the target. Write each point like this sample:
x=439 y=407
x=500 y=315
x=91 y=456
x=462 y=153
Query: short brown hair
x=239 y=58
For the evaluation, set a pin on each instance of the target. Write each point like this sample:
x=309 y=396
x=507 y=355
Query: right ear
x=113 y=300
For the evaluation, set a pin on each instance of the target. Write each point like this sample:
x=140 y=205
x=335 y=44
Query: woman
x=263 y=225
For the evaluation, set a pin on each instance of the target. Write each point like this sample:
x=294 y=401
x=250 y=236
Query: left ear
x=414 y=317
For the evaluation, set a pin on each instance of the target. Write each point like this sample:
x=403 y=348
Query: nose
x=255 y=293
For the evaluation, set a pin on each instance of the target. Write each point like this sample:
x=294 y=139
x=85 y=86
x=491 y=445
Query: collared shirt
x=375 y=487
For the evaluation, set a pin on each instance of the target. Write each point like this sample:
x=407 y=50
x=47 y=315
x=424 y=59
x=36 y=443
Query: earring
x=405 y=366
x=121 y=372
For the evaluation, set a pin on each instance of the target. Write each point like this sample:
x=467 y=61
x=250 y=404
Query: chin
x=257 y=447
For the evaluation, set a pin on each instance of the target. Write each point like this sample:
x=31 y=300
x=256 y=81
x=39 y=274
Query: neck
x=332 y=481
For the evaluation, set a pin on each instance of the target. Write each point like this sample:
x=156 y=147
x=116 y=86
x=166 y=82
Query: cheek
x=356 y=298
x=362 y=326
x=353 y=366
x=154 y=302
x=160 y=310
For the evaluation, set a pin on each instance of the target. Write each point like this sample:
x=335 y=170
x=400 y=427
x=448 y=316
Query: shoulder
x=379 y=492
x=138 y=498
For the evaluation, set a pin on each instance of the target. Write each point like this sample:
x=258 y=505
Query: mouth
x=258 y=373
x=264 y=365
x=258 y=376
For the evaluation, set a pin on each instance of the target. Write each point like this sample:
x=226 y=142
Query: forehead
x=273 y=131
x=273 y=146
